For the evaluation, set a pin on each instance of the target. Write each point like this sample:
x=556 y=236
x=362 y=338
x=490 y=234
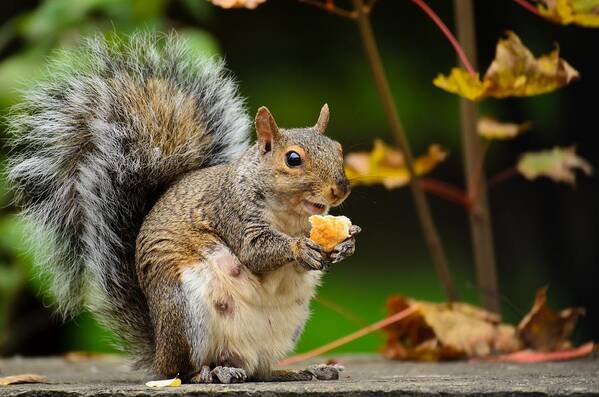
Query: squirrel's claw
x=324 y=371
x=309 y=255
x=354 y=229
x=346 y=248
x=229 y=374
x=204 y=376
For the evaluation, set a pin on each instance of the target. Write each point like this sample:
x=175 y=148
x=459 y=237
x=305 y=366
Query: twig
x=529 y=7
x=502 y=177
x=446 y=191
x=331 y=8
x=422 y=208
x=479 y=214
x=478 y=172
x=456 y=45
x=349 y=338
x=342 y=311
x=369 y=6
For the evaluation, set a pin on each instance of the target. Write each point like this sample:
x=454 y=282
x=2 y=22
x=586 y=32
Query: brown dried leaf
x=514 y=72
x=445 y=331
x=558 y=164
x=250 y=4
x=385 y=165
x=544 y=330
x=21 y=379
x=490 y=128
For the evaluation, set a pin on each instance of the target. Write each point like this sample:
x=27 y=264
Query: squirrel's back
x=94 y=146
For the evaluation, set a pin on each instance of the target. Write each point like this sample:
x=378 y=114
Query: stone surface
x=365 y=375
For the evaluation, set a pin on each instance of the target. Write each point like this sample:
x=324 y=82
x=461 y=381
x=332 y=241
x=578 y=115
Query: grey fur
x=85 y=173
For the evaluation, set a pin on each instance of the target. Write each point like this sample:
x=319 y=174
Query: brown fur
x=234 y=237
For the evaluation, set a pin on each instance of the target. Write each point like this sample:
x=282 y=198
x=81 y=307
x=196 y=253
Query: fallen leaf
x=544 y=330
x=21 y=379
x=251 y=4
x=490 y=128
x=445 y=331
x=530 y=356
x=514 y=72
x=386 y=165
x=558 y=164
x=579 y=12
x=175 y=382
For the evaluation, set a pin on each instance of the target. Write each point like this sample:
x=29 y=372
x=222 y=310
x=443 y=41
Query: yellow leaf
x=579 y=12
x=516 y=72
x=513 y=72
x=251 y=4
x=462 y=83
x=558 y=164
x=490 y=128
x=23 y=378
x=175 y=382
x=386 y=165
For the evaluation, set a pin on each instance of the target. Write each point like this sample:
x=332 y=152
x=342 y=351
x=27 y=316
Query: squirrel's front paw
x=347 y=247
x=309 y=254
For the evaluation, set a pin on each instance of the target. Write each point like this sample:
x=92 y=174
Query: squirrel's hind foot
x=218 y=375
x=313 y=372
x=228 y=375
x=325 y=371
x=204 y=376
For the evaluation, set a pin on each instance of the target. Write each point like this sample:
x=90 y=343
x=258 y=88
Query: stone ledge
x=365 y=375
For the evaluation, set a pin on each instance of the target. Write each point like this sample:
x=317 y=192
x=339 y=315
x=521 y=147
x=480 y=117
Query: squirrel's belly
x=251 y=321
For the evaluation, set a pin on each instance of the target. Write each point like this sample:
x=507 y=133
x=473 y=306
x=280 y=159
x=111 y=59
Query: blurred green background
x=293 y=58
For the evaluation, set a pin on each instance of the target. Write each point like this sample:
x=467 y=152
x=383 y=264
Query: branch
x=502 y=177
x=368 y=7
x=423 y=210
x=479 y=166
x=331 y=8
x=456 y=45
x=340 y=310
x=349 y=338
x=529 y=7
x=446 y=191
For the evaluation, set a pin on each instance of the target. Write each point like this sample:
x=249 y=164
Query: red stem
x=342 y=311
x=446 y=191
x=501 y=177
x=456 y=45
x=349 y=338
x=529 y=7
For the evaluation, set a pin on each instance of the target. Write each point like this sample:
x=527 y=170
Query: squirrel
x=132 y=160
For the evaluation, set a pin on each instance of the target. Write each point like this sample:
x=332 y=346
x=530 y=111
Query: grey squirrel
x=133 y=161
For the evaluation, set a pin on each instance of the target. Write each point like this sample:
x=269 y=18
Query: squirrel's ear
x=266 y=129
x=323 y=119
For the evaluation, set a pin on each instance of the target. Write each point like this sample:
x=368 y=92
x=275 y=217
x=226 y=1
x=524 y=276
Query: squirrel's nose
x=340 y=189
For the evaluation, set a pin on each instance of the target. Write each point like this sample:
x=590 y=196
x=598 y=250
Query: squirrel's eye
x=293 y=159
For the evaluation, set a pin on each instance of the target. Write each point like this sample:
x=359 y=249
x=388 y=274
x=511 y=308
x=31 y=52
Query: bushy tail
x=94 y=146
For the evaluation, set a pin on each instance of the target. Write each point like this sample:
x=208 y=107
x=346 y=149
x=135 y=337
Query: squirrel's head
x=307 y=167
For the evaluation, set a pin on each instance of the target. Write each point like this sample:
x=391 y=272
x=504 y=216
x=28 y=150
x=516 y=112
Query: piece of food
x=328 y=230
